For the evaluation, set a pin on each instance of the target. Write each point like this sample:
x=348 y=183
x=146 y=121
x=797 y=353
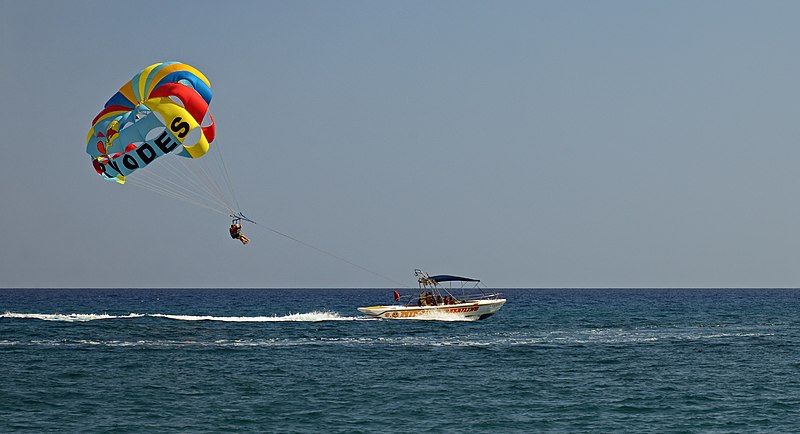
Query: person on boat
x=423 y=298
x=236 y=232
x=439 y=299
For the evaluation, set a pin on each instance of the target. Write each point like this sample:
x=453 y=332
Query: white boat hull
x=467 y=311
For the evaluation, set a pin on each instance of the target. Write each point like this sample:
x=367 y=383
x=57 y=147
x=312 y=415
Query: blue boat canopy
x=448 y=278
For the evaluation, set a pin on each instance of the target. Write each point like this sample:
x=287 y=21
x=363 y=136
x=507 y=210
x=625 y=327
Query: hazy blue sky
x=530 y=144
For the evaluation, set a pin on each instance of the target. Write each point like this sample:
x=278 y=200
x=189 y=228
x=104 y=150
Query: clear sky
x=526 y=143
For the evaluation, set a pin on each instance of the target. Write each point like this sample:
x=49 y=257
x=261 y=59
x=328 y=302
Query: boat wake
x=69 y=317
x=443 y=316
x=294 y=317
x=315 y=316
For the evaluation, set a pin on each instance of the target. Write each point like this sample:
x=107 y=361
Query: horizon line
x=397 y=287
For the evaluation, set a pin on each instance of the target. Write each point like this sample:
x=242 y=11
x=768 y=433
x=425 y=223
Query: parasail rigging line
x=326 y=252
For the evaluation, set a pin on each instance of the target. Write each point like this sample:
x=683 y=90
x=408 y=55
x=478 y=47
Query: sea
x=306 y=361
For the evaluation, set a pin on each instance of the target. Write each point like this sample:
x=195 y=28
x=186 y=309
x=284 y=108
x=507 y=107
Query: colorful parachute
x=161 y=110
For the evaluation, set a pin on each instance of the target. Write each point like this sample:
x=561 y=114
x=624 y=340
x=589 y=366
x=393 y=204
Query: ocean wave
x=466 y=340
x=276 y=342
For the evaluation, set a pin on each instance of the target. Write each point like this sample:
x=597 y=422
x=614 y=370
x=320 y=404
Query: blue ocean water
x=295 y=360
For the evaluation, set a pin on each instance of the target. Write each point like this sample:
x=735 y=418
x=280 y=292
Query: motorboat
x=463 y=299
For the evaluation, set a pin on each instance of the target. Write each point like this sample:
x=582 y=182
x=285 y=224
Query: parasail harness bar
x=240 y=217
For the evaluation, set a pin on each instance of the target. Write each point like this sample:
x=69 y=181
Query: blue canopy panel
x=448 y=278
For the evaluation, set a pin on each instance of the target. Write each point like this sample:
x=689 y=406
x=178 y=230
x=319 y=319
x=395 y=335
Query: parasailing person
x=236 y=232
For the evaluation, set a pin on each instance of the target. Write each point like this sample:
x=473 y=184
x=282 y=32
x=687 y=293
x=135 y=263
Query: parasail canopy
x=164 y=109
x=161 y=110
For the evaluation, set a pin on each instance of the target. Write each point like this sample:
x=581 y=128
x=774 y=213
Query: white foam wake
x=296 y=317
x=69 y=317
x=80 y=317
x=444 y=316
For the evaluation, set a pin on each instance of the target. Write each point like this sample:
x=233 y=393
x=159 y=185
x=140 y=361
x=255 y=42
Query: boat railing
x=457 y=297
x=466 y=297
x=481 y=296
